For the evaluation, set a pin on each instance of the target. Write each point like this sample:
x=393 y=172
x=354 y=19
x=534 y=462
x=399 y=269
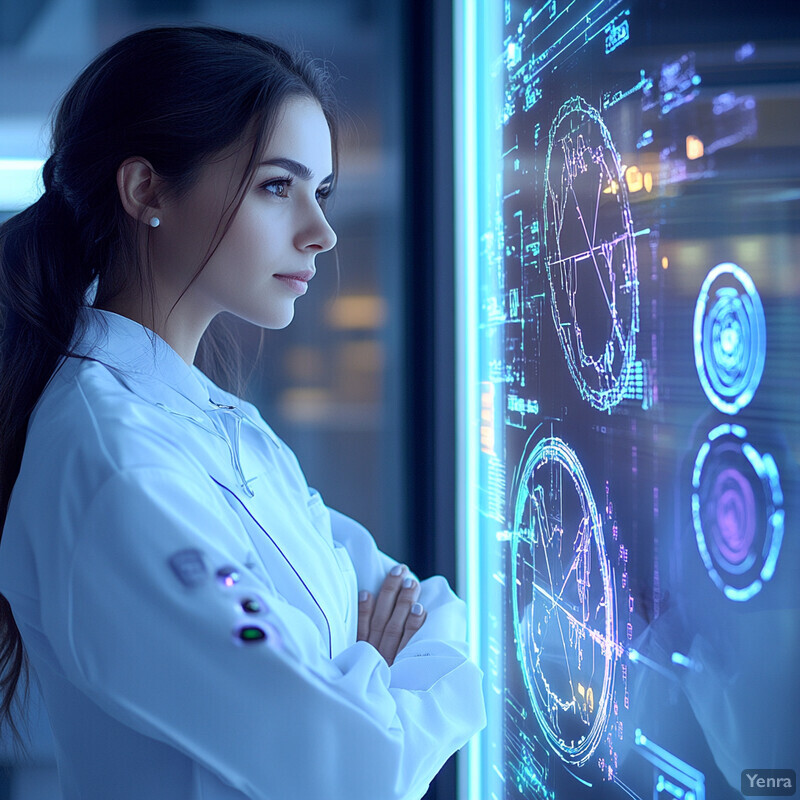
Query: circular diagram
x=730 y=337
x=590 y=254
x=737 y=510
x=564 y=601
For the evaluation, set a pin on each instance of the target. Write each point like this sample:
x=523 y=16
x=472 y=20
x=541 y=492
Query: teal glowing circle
x=564 y=601
x=590 y=254
x=730 y=337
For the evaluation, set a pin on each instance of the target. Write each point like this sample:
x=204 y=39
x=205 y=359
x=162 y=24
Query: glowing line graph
x=564 y=601
x=587 y=218
x=551 y=46
x=606 y=644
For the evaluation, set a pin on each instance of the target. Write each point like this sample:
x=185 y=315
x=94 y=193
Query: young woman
x=201 y=625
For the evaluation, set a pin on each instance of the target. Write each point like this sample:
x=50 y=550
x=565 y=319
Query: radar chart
x=564 y=601
x=590 y=254
x=737 y=509
x=729 y=337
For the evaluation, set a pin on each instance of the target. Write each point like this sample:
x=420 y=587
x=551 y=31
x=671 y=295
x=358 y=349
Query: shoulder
x=88 y=420
x=89 y=437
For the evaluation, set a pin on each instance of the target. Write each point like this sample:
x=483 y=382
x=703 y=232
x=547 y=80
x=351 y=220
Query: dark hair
x=176 y=96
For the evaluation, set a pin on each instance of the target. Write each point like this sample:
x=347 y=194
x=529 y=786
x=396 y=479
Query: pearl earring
x=154 y=222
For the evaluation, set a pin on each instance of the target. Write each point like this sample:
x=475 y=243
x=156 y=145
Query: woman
x=200 y=623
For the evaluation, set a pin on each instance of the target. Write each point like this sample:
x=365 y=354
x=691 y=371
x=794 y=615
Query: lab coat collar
x=152 y=369
x=131 y=348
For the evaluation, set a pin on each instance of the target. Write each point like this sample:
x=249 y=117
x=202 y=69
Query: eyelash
x=287 y=181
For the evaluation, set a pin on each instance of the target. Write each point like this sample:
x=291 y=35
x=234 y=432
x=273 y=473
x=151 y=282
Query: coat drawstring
x=229 y=413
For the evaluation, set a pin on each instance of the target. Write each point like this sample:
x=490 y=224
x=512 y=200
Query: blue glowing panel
x=630 y=361
x=673 y=778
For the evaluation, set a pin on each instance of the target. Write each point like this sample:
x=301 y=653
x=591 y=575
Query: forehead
x=301 y=132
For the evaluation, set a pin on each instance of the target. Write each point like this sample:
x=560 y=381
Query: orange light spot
x=634 y=179
x=694 y=147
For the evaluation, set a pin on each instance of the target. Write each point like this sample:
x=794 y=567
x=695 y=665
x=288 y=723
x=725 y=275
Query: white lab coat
x=150 y=507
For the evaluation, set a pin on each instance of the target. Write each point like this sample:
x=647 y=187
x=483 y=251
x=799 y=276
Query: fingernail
x=408 y=583
x=363 y=595
x=397 y=569
x=416 y=609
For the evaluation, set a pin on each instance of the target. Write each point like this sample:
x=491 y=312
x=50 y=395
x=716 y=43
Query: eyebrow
x=295 y=167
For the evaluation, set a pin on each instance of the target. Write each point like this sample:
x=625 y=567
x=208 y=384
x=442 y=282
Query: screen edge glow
x=466 y=215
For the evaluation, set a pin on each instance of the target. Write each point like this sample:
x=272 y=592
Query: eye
x=323 y=193
x=278 y=186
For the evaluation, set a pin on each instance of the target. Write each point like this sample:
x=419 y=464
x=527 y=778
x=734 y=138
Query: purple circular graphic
x=734 y=526
x=737 y=511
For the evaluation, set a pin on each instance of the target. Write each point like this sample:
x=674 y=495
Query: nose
x=316 y=235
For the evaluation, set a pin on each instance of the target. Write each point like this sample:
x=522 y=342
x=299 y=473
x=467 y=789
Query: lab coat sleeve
x=441 y=641
x=145 y=627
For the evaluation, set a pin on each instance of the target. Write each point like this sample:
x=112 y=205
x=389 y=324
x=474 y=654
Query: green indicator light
x=252 y=634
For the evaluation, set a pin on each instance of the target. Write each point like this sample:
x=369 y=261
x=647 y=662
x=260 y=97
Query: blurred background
x=350 y=384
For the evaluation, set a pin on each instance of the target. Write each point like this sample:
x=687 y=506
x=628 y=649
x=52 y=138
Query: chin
x=273 y=322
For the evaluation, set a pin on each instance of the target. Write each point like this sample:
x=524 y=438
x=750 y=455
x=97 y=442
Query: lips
x=304 y=275
x=296 y=281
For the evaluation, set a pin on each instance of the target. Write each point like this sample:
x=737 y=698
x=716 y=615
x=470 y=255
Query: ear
x=138 y=185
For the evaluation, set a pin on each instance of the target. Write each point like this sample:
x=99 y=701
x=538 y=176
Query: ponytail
x=40 y=295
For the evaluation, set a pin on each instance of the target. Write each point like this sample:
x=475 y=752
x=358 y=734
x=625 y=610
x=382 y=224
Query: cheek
x=246 y=258
x=250 y=238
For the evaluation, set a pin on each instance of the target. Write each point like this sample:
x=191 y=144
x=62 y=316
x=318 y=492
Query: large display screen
x=630 y=297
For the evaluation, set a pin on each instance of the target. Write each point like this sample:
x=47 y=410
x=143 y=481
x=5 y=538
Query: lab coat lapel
x=293 y=556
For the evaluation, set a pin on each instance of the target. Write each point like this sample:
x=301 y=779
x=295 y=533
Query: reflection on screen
x=639 y=374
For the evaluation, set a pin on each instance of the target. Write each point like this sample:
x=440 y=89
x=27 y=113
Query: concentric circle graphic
x=737 y=510
x=730 y=337
x=590 y=254
x=564 y=601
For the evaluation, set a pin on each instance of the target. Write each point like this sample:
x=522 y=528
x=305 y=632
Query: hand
x=390 y=621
